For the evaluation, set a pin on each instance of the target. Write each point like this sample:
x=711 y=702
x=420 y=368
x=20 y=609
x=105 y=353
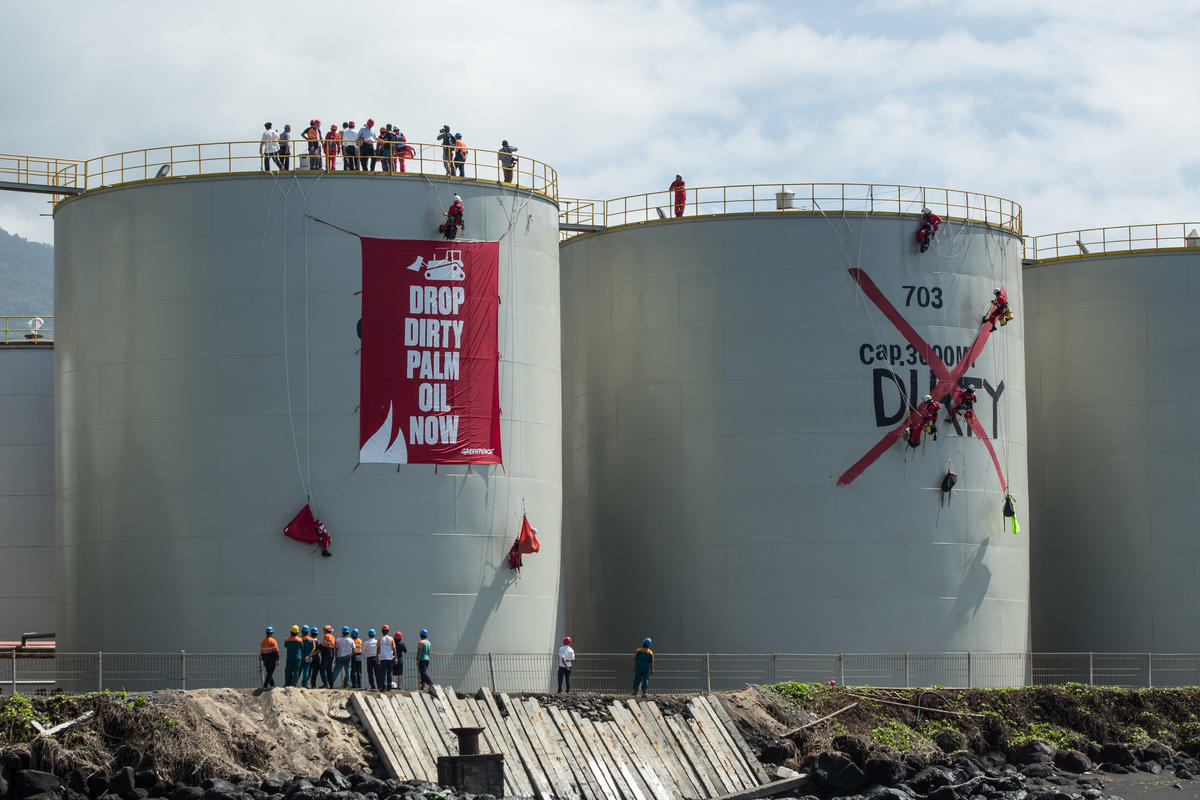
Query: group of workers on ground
x=362 y=148
x=314 y=655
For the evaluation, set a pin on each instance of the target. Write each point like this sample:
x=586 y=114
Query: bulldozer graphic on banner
x=447 y=268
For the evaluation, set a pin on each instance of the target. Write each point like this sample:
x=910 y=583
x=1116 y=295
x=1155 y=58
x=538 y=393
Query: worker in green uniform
x=424 y=652
x=643 y=666
x=308 y=643
x=291 y=667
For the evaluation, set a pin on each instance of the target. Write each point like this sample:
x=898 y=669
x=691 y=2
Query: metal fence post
x=708 y=672
x=969 y=669
x=14 y=671
x=99 y=670
x=774 y=675
x=1091 y=669
x=906 y=681
x=841 y=670
x=1150 y=670
x=182 y=670
x=492 y=672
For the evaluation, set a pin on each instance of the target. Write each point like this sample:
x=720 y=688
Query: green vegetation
x=898 y=735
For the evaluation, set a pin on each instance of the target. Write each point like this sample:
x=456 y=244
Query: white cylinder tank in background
x=1114 y=451
x=207 y=372
x=721 y=373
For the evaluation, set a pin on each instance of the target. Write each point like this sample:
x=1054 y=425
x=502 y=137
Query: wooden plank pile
x=554 y=753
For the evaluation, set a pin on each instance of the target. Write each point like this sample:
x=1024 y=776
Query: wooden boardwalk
x=555 y=754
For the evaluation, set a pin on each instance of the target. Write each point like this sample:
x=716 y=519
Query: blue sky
x=1082 y=112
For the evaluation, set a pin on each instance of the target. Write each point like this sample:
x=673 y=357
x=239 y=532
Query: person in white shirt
x=268 y=148
x=343 y=651
x=387 y=653
x=371 y=653
x=566 y=661
x=349 y=152
x=366 y=146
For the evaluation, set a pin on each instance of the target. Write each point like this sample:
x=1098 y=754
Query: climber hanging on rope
x=923 y=420
x=962 y=400
x=1000 y=312
x=454 y=219
x=930 y=222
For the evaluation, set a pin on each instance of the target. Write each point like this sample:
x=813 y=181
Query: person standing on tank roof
x=460 y=155
x=447 y=139
x=680 y=190
x=285 y=148
x=268 y=148
x=424 y=655
x=507 y=159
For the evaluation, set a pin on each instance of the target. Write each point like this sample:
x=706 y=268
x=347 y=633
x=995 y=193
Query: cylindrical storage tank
x=722 y=372
x=1113 y=355
x=208 y=373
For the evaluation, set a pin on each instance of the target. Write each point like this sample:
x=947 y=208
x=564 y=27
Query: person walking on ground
x=291 y=668
x=328 y=646
x=371 y=653
x=680 y=189
x=285 y=148
x=507 y=160
x=387 y=652
x=268 y=148
x=333 y=146
x=356 y=661
x=366 y=146
x=308 y=643
x=643 y=666
x=343 y=648
x=460 y=155
x=268 y=651
x=566 y=662
x=314 y=674
x=424 y=655
x=401 y=650
x=447 y=140
x=349 y=146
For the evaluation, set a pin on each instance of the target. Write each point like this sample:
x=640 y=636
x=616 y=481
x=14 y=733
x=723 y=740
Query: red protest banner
x=430 y=383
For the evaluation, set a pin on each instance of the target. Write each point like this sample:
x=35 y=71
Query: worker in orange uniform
x=999 y=312
x=680 y=189
x=268 y=651
x=328 y=645
x=460 y=155
x=312 y=135
x=356 y=664
x=291 y=668
x=333 y=146
x=308 y=644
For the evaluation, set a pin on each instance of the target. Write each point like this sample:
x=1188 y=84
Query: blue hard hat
x=458 y=136
x=647 y=641
x=304 y=629
x=345 y=629
x=270 y=630
x=354 y=633
x=371 y=632
x=424 y=632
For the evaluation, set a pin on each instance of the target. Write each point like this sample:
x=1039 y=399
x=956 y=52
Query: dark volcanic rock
x=28 y=782
x=950 y=741
x=273 y=783
x=943 y=793
x=296 y=785
x=1155 y=751
x=931 y=778
x=1034 y=752
x=1040 y=771
x=3 y=784
x=1117 y=754
x=145 y=778
x=97 y=785
x=123 y=782
x=76 y=780
x=885 y=771
x=778 y=751
x=335 y=780
x=887 y=793
x=856 y=747
x=1115 y=769
x=187 y=793
x=45 y=796
x=838 y=773
x=1072 y=761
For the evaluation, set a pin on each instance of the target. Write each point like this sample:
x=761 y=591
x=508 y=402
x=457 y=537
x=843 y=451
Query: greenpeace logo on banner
x=429 y=378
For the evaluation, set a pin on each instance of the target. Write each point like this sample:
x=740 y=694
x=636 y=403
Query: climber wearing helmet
x=454 y=219
x=424 y=654
x=962 y=399
x=291 y=668
x=930 y=222
x=999 y=312
x=268 y=651
x=343 y=651
x=566 y=660
x=643 y=666
x=923 y=420
x=356 y=661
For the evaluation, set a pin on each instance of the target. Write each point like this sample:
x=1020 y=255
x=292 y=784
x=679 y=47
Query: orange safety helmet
x=329 y=629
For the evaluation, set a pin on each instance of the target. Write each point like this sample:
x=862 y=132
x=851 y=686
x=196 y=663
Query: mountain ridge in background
x=26 y=276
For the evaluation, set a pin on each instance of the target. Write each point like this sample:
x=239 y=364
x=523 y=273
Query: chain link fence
x=47 y=672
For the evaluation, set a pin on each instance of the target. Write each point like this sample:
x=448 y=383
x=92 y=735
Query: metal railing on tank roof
x=241 y=158
x=792 y=198
x=1106 y=241
x=31 y=173
x=26 y=330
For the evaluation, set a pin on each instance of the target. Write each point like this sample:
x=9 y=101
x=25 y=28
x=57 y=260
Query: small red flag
x=306 y=528
x=527 y=542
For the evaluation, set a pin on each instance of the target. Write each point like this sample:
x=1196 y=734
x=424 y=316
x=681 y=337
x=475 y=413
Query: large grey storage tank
x=722 y=371
x=1113 y=366
x=27 y=575
x=208 y=371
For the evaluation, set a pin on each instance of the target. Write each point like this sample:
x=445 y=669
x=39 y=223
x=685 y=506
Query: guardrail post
x=841 y=670
x=14 y=671
x=1150 y=670
x=708 y=672
x=906 y=681
x=774 y=676
x=968 y=669
x=99 y=670
x=182 y=670
x=1091 y=669
x=492 y=672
